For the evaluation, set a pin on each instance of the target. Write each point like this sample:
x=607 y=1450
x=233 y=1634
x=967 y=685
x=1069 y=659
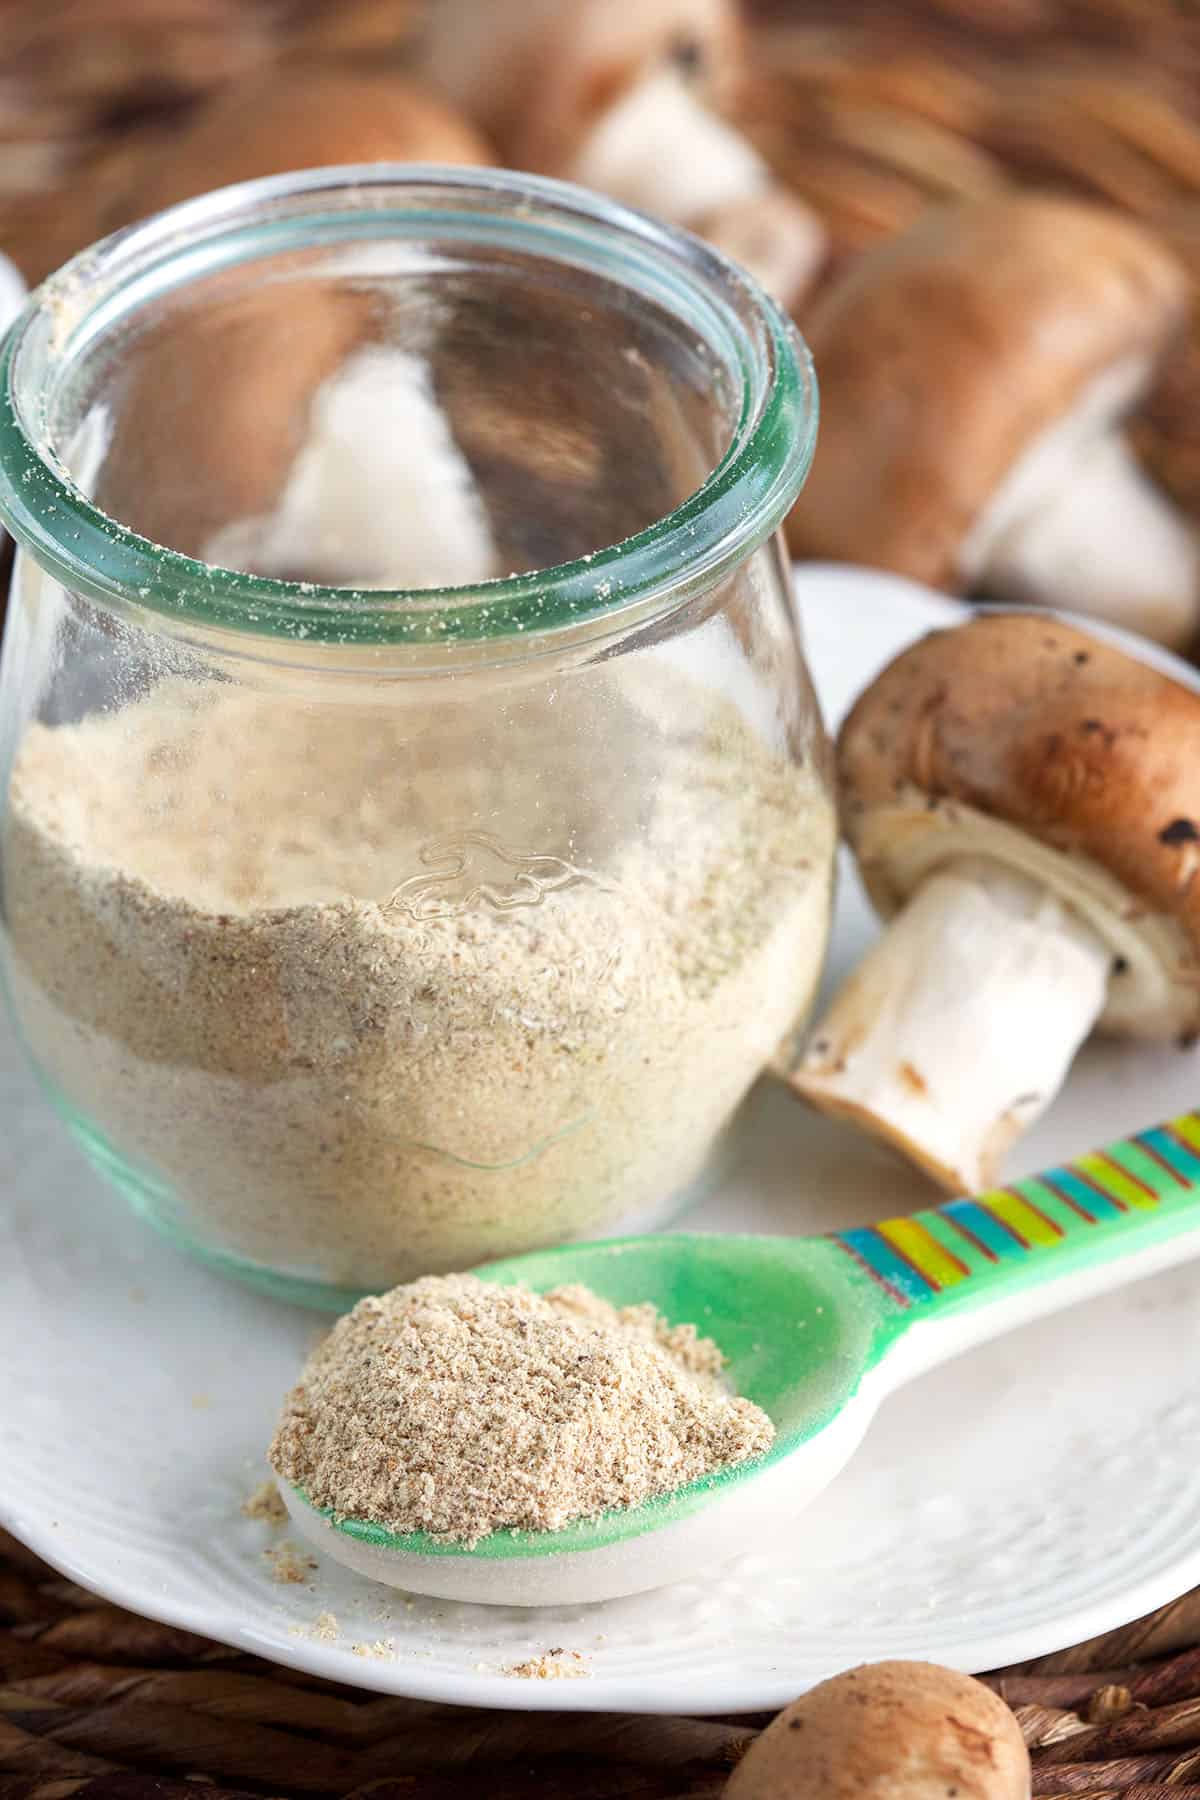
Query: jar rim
x=740 y=504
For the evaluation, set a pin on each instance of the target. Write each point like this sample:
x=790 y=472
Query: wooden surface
x=96 y=1704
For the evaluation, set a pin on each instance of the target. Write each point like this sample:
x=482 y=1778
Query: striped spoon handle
x=1085 y=1221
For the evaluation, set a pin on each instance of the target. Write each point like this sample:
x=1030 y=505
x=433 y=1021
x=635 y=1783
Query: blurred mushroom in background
x=377 y=492
x=629 y=100
x=1023 y=800
x=870 y=134
x=93 y=92
x=303 y=116
x=797 y=139
x=287 y=430
x=975 y=376
x=218 y=408
x=343 y=424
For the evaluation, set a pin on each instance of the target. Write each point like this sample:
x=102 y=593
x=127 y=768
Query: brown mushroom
x=888 y=1731
x=274 y=425
x=379 y=494
x=216 y=407
x=974 y=376
x=305 y=117
x=1023 y=800
x=628 y=100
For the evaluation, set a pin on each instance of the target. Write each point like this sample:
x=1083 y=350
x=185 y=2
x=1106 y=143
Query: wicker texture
x=96 y=1704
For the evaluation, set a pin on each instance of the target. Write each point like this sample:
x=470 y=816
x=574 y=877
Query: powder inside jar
x=360 y=992
x=458 y=1408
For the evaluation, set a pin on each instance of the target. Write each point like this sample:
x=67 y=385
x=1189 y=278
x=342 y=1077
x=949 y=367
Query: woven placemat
x=97 y=1704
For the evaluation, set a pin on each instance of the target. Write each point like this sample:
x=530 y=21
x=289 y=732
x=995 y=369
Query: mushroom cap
x=304 y=118
x=888 y=1731
x=1025 y=719
x=220 y=396
x=539 y=78
x=217 y=402
x=946 y=353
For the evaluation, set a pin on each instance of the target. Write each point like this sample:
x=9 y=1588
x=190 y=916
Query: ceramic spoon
x=818 y=1331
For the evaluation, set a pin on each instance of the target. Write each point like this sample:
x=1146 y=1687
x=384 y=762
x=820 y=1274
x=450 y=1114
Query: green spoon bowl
x=817 y=1331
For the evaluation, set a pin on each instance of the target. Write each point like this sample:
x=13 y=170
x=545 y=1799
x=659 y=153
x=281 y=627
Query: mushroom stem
x=1104 y=541
x=777 y=237
x=958 y=1027
x=380 y=494
x=662 y=149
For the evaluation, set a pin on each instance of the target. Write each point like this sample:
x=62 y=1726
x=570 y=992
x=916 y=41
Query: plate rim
x=674 y=1695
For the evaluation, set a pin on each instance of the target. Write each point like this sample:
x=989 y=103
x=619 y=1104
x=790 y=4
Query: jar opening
x=385 y=405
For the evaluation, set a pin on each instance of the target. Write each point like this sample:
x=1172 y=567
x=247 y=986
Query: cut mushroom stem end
x=957 y=1029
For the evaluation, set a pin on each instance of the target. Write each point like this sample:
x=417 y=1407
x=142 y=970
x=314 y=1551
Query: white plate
x=1042 y=1489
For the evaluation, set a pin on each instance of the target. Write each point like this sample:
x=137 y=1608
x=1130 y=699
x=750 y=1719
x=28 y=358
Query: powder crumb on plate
x=289 y=1563
x=266 y=1503
x=457 y=1407
x=326 y=1629
x=383 y=1650
x=551 y=1665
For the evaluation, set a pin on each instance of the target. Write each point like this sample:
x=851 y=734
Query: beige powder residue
x=325 y=1629
x=458 y=1408
x=552 y=1665
x=265 y=1503
x=359 y=992
x=290 y=1564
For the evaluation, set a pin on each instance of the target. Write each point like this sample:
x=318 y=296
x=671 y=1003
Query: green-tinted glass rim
x=740 y=504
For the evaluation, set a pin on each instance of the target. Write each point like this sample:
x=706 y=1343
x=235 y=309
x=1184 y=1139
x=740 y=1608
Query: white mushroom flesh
x=958 y=1027
x=778 y=238
x=1002 y=952
x=380 y=495
x=1077 y=523
x=1110 y=544
x=1153 y=992
x=660 y=148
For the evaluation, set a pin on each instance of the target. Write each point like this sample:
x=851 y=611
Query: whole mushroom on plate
x=975 y=374
x=628 y=99
x=889 y=1731
x=1023 y=800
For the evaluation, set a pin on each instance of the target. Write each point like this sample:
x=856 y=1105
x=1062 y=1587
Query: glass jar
x=418 y=834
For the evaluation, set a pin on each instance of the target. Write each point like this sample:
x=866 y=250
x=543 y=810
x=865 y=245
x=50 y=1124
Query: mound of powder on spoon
x=458 y=1408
